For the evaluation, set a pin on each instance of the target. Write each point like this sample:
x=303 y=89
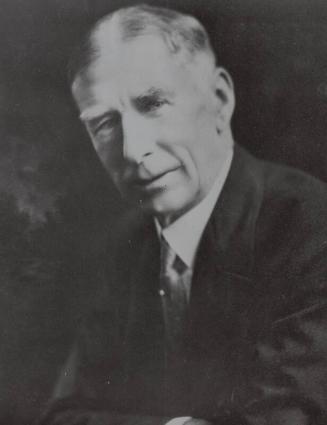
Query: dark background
x=55 y=202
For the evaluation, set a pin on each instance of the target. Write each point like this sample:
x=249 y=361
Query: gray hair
x=183 y=34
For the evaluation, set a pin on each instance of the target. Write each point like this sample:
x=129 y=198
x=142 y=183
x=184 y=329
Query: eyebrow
x=95 y=113
x=154 y=93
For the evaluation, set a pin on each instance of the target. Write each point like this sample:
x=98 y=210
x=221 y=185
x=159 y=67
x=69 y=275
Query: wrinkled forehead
x=134 y=64
x=123 y=70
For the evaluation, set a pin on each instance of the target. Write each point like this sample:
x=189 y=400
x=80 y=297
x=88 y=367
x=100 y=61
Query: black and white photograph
x=163 y=212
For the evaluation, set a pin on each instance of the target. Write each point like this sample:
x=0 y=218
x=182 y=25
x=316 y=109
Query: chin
x=170 y=206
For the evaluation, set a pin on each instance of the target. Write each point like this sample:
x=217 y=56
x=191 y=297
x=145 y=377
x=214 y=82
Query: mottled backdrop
x=55 y=203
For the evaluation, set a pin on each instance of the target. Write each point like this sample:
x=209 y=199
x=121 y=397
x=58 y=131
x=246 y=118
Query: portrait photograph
x=163 y=212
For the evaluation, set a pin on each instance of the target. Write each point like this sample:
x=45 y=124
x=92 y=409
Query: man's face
x=152 y=122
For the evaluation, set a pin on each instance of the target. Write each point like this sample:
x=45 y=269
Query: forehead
x=126 y=69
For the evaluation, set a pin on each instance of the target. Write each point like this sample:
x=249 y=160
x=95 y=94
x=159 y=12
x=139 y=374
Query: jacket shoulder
x=291 y=229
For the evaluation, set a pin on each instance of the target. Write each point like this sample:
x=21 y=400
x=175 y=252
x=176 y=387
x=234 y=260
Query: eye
x=105 y=125
x=150 y=103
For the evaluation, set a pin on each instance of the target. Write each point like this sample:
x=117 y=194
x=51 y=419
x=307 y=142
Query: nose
x=138 y=138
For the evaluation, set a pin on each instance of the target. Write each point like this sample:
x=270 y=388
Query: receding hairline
x=183 y=35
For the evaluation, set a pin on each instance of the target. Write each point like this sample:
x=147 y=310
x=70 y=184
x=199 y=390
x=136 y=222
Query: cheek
x=109 y=150
x=179 y=129
x=186 y=122
x=194 y=136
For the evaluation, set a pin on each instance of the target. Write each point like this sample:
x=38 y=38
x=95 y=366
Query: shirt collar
x=184 y=234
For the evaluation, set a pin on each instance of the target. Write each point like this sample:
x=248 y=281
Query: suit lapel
x=225 y=254
x=222 y=286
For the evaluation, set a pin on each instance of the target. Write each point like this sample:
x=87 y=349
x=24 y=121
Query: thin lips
x=149 y=180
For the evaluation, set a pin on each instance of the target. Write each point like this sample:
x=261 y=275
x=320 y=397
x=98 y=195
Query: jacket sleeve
x=286 y=380
x=76 y=400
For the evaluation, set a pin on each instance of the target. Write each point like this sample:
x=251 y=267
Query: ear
x=225 y=98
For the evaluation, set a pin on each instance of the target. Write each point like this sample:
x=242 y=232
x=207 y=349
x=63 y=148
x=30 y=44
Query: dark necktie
x=175 y=280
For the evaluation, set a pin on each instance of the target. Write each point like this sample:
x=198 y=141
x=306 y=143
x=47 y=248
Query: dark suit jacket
x=255 y=351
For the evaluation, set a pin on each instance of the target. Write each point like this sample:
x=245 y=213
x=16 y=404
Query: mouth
x=154 y=182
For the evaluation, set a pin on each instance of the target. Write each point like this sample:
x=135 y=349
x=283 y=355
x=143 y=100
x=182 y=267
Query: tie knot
x=170 y=260
x=179 y=265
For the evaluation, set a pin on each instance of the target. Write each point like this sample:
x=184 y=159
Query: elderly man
x=213 y=307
